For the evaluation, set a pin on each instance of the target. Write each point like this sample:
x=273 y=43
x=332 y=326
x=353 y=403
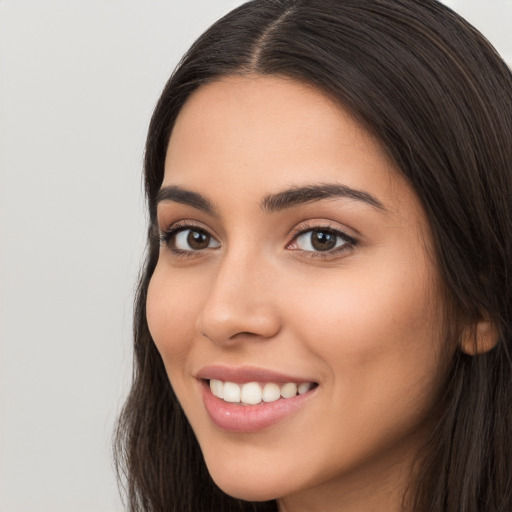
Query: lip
x=239 y=418
x=243 y=374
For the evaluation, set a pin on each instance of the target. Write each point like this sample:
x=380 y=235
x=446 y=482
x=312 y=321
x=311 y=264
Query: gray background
x=78 y=81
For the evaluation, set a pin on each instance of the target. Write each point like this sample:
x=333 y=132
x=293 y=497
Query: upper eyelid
x=182 y=225
x=177 y=227
x=305 y=226
x=297 y=230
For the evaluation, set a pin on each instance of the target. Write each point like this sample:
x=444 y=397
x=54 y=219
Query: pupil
x=323 y=240
x=198 y=240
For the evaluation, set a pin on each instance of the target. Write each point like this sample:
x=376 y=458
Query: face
x=294 y=279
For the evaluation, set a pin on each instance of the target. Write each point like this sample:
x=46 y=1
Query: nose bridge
x=240 y=299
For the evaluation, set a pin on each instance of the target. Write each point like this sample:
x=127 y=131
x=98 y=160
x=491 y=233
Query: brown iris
x=323 y=240
x=198 y=240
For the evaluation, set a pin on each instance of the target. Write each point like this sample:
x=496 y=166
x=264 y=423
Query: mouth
x=246 y=400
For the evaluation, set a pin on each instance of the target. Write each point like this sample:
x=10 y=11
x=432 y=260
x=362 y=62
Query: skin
x=363 y=323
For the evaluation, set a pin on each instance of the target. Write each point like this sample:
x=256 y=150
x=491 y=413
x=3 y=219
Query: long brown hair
x=439 y=99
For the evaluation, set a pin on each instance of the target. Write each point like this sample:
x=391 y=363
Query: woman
x=323 y=320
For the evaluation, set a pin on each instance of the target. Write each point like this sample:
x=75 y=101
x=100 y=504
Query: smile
x=248 y=399
x=253 y=393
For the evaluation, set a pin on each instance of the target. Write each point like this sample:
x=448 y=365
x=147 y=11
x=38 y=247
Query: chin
x=248 y=493
x=249 y=486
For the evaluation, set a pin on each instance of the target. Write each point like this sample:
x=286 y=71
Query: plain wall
x=78 y=81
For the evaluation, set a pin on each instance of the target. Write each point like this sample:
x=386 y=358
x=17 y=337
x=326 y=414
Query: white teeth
x=271 y=392
x=217 y=387
x=251 y=393
x=304 y=387
x=288 y=390
x=231 y=392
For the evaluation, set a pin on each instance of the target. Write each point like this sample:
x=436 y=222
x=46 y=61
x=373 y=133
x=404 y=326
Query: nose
x=241 y=303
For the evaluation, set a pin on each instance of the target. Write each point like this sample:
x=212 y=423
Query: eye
x=194 y=240
x=182 y=239
x=322 y=240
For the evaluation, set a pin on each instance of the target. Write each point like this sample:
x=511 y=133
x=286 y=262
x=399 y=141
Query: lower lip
x=251 y=418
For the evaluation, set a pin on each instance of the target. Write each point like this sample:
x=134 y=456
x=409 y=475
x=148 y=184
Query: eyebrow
x=302 y=195
x=274 y=202
x=187 y=197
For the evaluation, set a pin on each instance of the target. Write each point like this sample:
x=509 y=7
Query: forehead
x=276 y=112
x=272 y=133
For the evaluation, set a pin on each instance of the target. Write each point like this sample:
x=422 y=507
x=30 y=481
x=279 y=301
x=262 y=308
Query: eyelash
x=168 y=236
x=306 y=227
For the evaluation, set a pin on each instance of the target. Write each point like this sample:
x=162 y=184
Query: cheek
x=374 y=321
x=378 y=340
x=171 y=311
x=377 y=331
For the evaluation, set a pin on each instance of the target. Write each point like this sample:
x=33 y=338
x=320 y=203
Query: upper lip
x=242 y=374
